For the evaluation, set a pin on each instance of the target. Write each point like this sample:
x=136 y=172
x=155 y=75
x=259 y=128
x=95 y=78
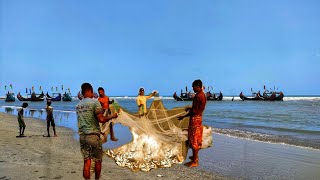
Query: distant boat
x=10 y=97
x=57 y=98
x=32 y=98
x=267 y=96
x=257 y=96
x=66 y=97
x=214 y=97
x=279 y=97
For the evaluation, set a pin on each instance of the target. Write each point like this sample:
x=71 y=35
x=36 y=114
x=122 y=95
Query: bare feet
x=191 y=164
x=114 y=139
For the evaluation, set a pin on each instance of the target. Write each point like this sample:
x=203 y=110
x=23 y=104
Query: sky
x=165 y=45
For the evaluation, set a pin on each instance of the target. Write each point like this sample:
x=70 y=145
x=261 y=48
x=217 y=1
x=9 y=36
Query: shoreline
x=35 y=156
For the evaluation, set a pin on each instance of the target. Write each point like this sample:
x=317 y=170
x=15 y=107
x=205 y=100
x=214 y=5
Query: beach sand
x=38 y=157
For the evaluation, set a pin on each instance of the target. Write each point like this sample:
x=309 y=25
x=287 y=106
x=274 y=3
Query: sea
x=294 y=121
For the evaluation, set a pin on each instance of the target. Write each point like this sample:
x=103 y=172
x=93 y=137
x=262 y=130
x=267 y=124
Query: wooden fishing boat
x=57 y=98
x=183 y=96
x=10 y=97
x=279 y=96
x=214 y=96
x=269 y=96
x=257 y=96
x=66 y=97
x=32 y=98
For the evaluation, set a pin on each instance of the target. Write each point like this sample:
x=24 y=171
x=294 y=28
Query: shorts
x=50 y=122
x=21 y=122
x=91 y=146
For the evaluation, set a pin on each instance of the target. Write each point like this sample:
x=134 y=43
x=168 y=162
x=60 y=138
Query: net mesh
x=158 y=138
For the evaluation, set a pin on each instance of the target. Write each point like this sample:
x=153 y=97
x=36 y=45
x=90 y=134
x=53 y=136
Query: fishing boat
x=33 y=97
x=256 y=96
x=214 y=96
x=189 y=96
x=279 y=96
x=54 y=97
x=183 y=96
x=269 y=96
x=66 y=97
x=10 y=97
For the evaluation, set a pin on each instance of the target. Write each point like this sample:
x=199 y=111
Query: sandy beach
x=38 y=157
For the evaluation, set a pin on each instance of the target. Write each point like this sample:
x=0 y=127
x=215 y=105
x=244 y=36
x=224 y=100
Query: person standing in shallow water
x=89 y=115
x=142 y=102
x=195 y=129
x=50 y=119
x=22 y=125
x=104 y=101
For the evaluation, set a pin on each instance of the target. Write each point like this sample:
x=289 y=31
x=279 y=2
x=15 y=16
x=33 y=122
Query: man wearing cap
x=142 y=102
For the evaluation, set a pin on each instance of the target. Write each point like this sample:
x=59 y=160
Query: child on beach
x=142 y=102
x=50 y=119
x=195 y=128
x=22 y=125
x=89 y=115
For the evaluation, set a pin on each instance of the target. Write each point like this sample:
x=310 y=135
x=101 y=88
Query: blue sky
x=231 y=45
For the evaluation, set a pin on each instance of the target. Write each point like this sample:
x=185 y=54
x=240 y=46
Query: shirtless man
x=104 y=101
x=195 y=129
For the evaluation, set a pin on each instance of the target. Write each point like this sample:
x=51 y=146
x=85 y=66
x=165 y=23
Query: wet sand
x=250 y=159
x=38 y=157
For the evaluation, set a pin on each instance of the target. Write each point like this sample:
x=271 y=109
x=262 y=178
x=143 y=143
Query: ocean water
x=294 y=121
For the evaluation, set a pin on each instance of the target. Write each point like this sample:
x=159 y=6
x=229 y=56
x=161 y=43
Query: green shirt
x=87 y=109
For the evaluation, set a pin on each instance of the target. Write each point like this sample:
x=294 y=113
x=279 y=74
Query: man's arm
x=103 y=119
x=99 y=114
x=150 y=95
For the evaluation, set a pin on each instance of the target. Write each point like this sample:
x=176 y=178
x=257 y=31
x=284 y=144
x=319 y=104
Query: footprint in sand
x=73 y=171
x=58 y=177
x=43 y=177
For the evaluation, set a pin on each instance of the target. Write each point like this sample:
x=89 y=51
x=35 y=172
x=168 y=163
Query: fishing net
x=158 y=139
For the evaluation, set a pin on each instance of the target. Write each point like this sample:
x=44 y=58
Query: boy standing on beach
x=142 y=102
x=195 y=128
x=50 y=119
x=22 y=125
x=89 y=114
x=104 y=101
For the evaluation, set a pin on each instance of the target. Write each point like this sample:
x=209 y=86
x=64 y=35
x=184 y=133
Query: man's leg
x=97 y=169
x=194 y=158
x=23 y=128
x=86 y=168
x=54 y=131
x=112 y=133
x=48 y=128
x=20 y=133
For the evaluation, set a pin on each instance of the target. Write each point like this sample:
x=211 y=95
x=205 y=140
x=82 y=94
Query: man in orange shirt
x=104 y=101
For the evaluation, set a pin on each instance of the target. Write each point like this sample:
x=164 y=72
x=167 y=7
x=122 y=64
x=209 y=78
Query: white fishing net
x=158 y=139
